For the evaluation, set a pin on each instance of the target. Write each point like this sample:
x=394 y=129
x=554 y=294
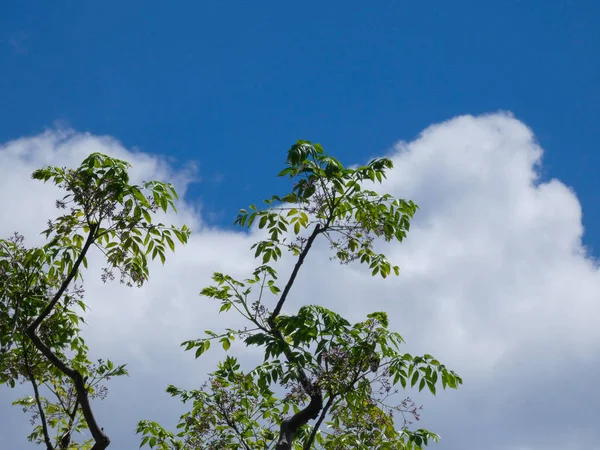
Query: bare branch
x=38 y=401
x=63 y=287
x=292 y=278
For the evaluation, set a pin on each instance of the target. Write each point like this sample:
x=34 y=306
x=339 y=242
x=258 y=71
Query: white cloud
x=495 y=282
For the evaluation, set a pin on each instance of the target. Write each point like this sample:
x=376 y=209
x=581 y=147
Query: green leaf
x=170 y=243
x=262 y=222
x=226 y=343
x=431 y=387
x=414 y=379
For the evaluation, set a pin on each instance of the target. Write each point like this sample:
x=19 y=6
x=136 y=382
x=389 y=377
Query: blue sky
x=200 y=80
x=495 y=281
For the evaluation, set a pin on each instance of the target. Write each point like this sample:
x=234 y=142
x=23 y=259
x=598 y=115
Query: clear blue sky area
x=233 y=84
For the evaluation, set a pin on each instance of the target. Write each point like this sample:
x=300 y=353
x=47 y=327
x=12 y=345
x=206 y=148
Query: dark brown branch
x=290 y=282
x=290 y=426
x=49 y=354
x=315 y=429
x=65 y=440
x=73 y=413
x=38 y=401
x=102 y=441
x=42 y=414
x=65 y=284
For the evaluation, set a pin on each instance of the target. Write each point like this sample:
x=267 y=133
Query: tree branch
x=65 y=440
x=65 y=284
x=290 y=425
x=38 y=401
x=102 y=441
x=290 y=282
x=319 y=422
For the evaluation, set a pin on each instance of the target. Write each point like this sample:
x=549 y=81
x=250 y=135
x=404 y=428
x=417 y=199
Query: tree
x=324 y=382
x=41 y=294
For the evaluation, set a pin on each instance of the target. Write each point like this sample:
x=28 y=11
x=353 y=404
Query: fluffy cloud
x=495 y=283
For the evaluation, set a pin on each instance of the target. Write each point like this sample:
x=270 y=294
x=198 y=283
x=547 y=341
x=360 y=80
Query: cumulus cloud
x=495 y=282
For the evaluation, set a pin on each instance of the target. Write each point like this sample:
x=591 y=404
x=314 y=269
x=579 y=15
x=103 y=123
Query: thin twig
x=318 y=229
x=38 y=401
x=63 y=287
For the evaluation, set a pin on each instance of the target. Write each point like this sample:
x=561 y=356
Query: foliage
x=41 y=292
x=339 y=379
